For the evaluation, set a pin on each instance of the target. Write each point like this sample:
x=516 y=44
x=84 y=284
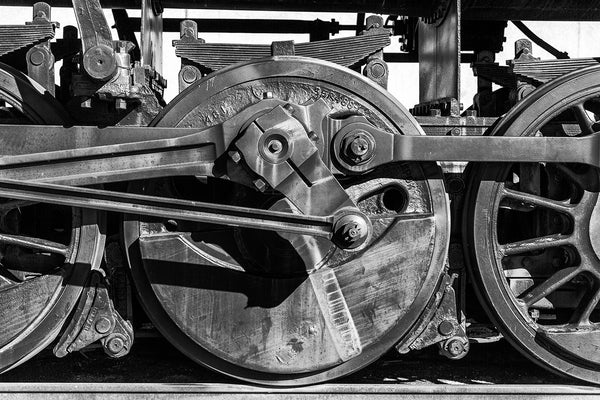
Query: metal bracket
x=440 y=325
x=96 y=40
x=96 y=320
x=189 y=73
x=40 y=60
x=376 y=68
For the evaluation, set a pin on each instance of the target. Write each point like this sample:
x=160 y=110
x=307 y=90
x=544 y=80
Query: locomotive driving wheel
x=240 y=300
x=45 y=251
x=532 y=231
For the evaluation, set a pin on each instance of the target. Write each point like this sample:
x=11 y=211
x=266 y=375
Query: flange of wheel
x=531 y=233
x=46 y=251
x=240 y=301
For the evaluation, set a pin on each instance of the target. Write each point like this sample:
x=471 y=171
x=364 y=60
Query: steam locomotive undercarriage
x=285 y=220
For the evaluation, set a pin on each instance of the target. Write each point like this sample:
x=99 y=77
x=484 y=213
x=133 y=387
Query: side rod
x=388 y=148
x=89 y=155
x=585 y=150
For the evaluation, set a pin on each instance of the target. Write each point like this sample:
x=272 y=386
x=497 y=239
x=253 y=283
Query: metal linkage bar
x=97 y=47
x=168 y=208
x=397 y=148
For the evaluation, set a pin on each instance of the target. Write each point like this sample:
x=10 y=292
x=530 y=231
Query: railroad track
x=160 y=372
x=326 y=391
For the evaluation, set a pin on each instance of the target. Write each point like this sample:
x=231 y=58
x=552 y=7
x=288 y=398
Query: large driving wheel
x=45 y=251
x=532 y=231
x=240 y=300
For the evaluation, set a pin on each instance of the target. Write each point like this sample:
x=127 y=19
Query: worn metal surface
x=96 y=40
x=261 y=282
x=540 y=279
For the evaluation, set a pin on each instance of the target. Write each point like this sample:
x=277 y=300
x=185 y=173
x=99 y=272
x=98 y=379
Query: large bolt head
x=351 y=231
x=99 y=62
x=102 y=325
x=115 y=345
x=36 y=57
x=358 y=147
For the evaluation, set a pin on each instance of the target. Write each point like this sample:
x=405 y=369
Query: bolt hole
x=394 y=199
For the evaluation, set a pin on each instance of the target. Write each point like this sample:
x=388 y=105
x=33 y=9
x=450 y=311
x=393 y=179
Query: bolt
x=350 y=231
x=267 y=95
x=455 y=347
x=121 y=104
x=446 y=328
x=115 y=345
x=289 y=108
x=102 y=325
x=471 y=113
x=435 y=112
x=172 y=224
x=377 y=70
x=235 y=156
x=188 y=32
x=189 y=75
x=36 y=57
x=313 y=136
x=260 y=185
x=534 y=314
x=358 y=146
x=275 y=146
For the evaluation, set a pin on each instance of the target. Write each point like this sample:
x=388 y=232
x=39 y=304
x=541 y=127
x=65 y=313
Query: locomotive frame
x=285 y=220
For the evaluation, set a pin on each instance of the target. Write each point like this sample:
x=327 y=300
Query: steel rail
x=17 y=391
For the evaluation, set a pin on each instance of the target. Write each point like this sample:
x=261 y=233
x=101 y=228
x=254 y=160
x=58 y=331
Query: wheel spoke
x=539 y=243
x=583 y=119
x=587 y=306
x=550 y=285
x=538 y=200
x=35 y=244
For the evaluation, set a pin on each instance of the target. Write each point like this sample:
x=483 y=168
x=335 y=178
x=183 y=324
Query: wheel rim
x=531 y=231
x=286 y=360
x=39 y=290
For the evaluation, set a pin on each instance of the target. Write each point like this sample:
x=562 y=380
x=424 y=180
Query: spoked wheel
x=45 y=251
x=533 y=232
x=240 y=300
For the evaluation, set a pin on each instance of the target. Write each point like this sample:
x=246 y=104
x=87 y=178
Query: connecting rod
x=49 y=164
